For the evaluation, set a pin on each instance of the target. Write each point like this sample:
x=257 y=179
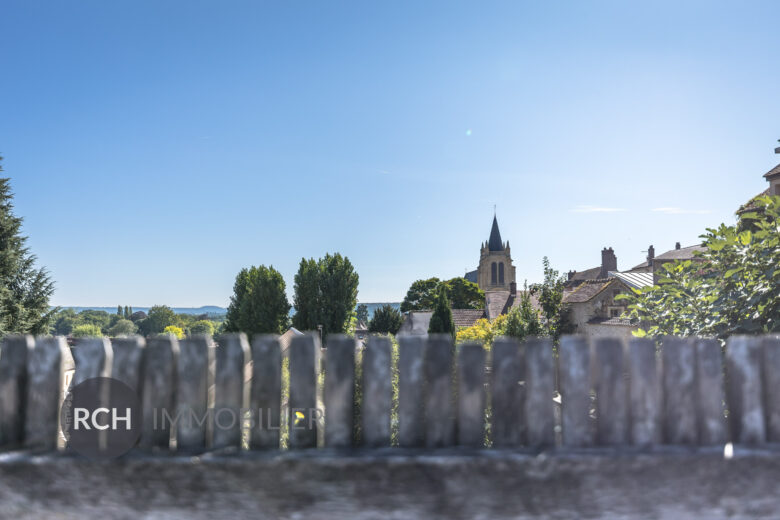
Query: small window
x=493 y=273
x=614 y=313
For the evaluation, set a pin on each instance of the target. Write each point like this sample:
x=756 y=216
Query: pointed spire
x=494 y=243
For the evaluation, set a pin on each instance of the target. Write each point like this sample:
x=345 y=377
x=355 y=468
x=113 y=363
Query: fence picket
x=157 y=396
x=13 y=377
x=230 y=358
x=439 y=409
x=611 y=392
x=540 y=385
x=574 y=375
x=645 y=393
x=772 y=387
x=507 y=394
x=192 y=378
x=303 y=393
x=127 y=361
x=92 y=358
x=745 y=397
x=679 y=387
x=339 y=391
x=47 y=364
x=710 y=393
x=265 y=395
x=377 y=391
x=411 y=424
x=471 y=395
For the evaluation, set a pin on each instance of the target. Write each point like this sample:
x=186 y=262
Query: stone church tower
x=495 y=271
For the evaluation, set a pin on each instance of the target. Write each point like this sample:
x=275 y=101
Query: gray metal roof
x=635 y=280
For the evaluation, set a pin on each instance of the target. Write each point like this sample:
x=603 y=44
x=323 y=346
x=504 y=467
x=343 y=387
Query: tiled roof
x=466 y=317
x=751 y=204
x=586 y=291
x=471 y=276
x=286 y=338
x=587 y=274
x=501 y=302
x=774 y=171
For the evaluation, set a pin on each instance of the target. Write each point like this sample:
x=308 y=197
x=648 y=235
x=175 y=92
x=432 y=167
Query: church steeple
x=494 y=243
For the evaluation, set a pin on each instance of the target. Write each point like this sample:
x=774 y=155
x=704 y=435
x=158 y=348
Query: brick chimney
x=677 y=245
x=608 y=262
x=571 y=275
x=650 y=255
x=513 y=288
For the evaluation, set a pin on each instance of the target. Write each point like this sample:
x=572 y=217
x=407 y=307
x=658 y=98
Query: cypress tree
x=441 y=321
x=119 y=310
x=24 y=289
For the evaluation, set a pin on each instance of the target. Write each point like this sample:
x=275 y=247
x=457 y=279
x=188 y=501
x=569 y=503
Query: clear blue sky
x=155 y=148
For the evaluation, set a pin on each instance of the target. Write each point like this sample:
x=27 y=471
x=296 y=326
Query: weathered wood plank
x=411 y=419
x=46 y=366
x=303 y=393
x=439 y=408
x=230 y=358
x=13 y=379
x=127 y=362
x=339 y=391
x=92 y=358
x=645 y=393
x=611 y=392
x=265 y=394
x=771 y=346
x=745 y=397
x=539 y=388
x=192 y=378
x=507 y=394
x=471 y=395
x=574 y=370
x=377 y=391
x=159 y=372
x=713 y=429
x=679 y=384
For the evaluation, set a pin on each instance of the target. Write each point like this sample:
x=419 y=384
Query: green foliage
x=259 y=303
x=24 y=289
x=733 y=287
x=421 y=295
x=464 y=294
x=64 y=322
x=441 y=320
x=461 y=293
x=203 y=327
x=555 y=314
x=523 y=320
x=173 y=330
x=386 y=320
x=325 y=294
x=87 y=330
x=160 y=317
x=122 y=327
x=362 y=313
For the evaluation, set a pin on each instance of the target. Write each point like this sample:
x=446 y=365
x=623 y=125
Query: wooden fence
x=604 y=393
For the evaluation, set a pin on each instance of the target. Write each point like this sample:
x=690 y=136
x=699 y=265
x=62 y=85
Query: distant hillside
x=211 y=310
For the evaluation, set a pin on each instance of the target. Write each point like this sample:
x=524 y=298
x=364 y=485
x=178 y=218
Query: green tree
x=387 y=320
x=126 y=314
x=556 y=314
x=202 y=327
x=523 y=320
x=441 y=320
x=421 y=295
x=325 y=294
x=362 y=313
x=122 y=327
x=159 y=317
x=119 y=310
x=64 y=322
x=100 y=319
x=259 y=303
x=464 y=294
x=732 y=287
x=173 y=330
x=87 y=330
x=24 y=289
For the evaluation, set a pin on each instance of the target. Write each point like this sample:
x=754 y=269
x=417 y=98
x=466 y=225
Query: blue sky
x=156 y=148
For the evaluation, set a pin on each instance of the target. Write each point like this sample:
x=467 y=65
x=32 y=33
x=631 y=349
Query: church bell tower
x=495 y=271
